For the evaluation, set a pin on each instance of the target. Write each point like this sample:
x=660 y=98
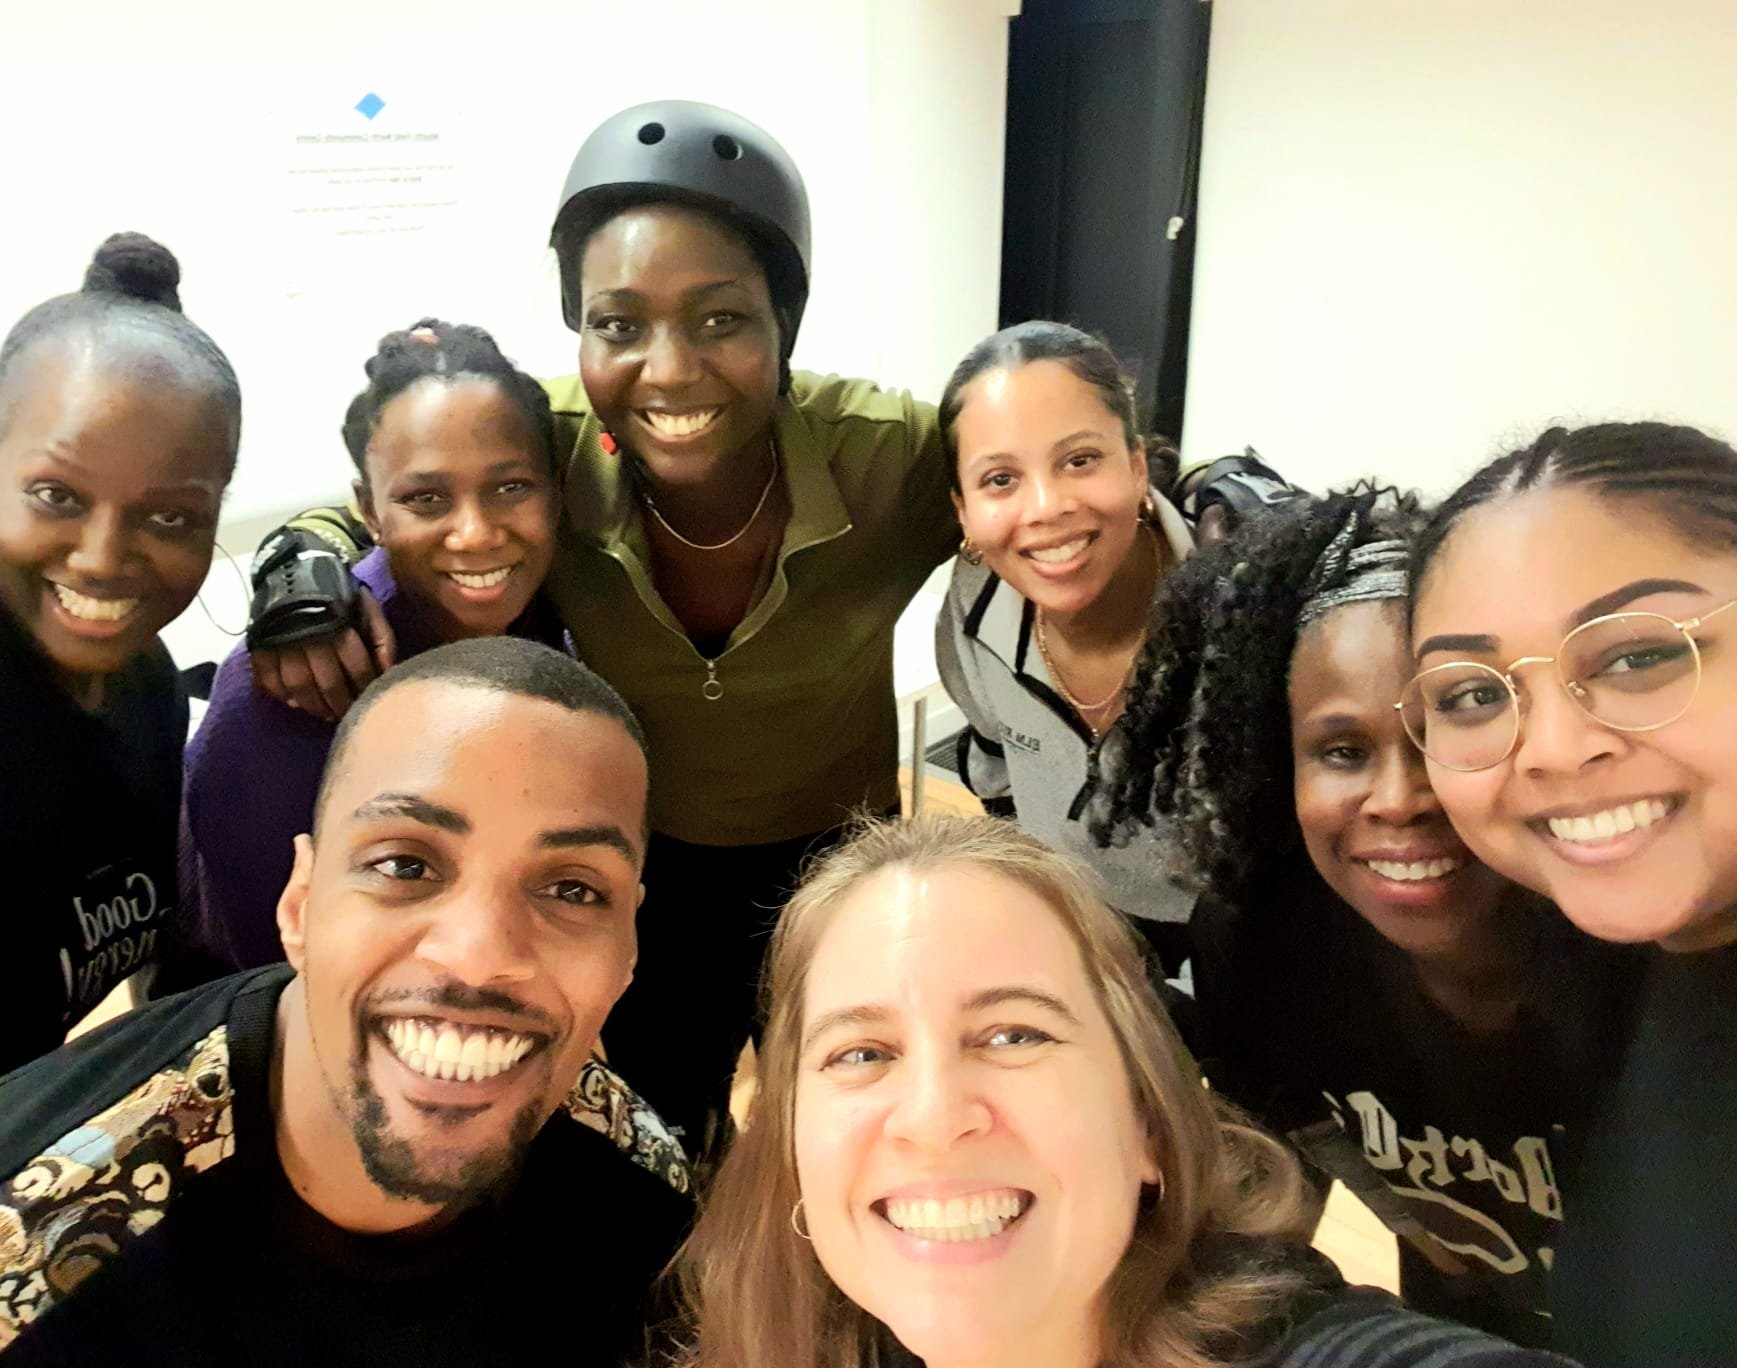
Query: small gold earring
x=970 y=553
x=1148 y=513
x=796 y=1211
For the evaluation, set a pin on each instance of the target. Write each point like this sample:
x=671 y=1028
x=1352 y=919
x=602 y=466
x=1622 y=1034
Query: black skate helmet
x=682 y=152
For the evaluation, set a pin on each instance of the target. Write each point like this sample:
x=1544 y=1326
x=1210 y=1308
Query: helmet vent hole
x=727 y=148
x=651 y=134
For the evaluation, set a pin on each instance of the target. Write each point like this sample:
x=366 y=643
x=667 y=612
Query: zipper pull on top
x=711 y=690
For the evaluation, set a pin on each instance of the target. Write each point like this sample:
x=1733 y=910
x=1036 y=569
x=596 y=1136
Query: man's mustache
x=464 y=997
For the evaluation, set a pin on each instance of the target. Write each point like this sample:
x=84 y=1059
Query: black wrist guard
x=302 y=590
x=1244 y=485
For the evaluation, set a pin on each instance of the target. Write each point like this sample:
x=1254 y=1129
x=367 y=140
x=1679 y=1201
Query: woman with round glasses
x=1576 y=701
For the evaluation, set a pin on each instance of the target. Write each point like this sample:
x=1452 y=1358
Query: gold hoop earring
x=1148 y=513
x=970 y=553
x=796 y=1211
x=246 y=596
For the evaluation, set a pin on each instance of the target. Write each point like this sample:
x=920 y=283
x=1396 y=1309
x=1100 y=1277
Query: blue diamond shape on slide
x=370 y=105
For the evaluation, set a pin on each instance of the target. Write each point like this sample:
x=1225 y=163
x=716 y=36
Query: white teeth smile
x=1617 y=821
x=1415 y=870
x=957 y=1219
x=93 y=609
x=483 y=581
x=681 y=424
x=437 y=1050
x=1060 y=555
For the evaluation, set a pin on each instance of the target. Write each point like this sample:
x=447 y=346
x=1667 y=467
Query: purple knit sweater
x=252 y=770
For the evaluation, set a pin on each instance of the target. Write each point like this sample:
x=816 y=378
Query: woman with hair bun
x=119 y=424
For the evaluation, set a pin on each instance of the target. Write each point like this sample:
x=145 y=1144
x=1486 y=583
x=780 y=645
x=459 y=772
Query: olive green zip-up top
x=793 y=725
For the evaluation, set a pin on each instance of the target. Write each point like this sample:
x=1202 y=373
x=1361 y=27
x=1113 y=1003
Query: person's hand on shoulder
x=316 y=638
x=323 y=676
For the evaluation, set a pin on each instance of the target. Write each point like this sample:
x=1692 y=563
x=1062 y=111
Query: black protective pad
x=301 y=590
x=1245 y=484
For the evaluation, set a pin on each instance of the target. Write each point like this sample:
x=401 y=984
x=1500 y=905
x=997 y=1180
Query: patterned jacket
x=99 y=1140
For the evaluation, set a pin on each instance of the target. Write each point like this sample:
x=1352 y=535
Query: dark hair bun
x=138 y=267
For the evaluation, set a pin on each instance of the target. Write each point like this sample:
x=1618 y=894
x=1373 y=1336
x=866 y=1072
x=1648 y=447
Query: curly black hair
x=1208 y=725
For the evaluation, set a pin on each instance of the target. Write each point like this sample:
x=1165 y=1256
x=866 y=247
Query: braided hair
x=430 y=348
x=129 y=315
x=1208 y=726
x=1680 y=473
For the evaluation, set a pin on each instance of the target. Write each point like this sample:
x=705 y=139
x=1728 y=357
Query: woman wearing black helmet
x=739 y=541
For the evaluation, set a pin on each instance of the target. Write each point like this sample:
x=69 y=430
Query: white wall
x=1429 y=229
x=180 y=123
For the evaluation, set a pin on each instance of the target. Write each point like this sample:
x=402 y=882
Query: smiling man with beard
x=399 y=1148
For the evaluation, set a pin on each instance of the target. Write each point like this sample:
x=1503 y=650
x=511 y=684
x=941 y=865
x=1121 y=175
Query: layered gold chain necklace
x=1087 y=711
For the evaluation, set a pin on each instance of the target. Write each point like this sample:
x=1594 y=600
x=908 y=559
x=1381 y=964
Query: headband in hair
x=1367 y=574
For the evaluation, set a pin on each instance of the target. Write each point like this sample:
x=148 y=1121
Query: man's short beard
x=392 y=1164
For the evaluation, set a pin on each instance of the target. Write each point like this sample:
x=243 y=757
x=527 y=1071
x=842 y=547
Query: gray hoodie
x=1024 y=742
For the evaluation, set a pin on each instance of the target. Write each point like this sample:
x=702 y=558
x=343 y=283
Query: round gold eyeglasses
x=1631 y=672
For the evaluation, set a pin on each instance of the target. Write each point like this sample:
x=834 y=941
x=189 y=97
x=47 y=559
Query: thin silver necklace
x=765 y=494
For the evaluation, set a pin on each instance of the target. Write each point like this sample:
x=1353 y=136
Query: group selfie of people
x=1345 y=837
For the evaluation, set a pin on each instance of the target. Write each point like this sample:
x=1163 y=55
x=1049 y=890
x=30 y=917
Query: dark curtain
x=1104 y=103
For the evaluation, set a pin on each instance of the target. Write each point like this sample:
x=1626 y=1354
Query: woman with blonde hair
x=977 y=1140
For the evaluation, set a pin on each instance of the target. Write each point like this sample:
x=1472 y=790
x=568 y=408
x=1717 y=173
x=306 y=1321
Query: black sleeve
x=181 y=963
x=59 y=1092
x=1242 y=1019
x=1367 y=1328
x=151 y=718
x=643 y=1255
x=340 y=530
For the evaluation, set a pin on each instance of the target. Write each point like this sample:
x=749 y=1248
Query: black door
x=1103 y=142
